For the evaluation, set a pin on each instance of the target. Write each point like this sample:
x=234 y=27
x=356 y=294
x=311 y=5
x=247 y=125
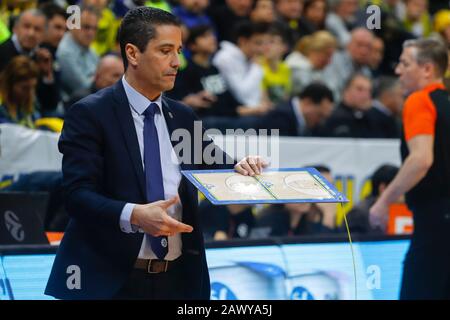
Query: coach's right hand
x=153 y=218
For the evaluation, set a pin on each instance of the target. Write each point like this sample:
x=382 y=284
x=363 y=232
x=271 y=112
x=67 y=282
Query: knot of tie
x=151 y=110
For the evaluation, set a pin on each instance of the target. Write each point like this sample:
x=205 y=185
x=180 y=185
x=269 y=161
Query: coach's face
x=157 y=66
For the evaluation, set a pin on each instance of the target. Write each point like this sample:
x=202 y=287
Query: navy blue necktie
x=153 y=174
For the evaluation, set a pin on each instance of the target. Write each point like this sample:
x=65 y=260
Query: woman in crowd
x=17 y=92
x=313 y=53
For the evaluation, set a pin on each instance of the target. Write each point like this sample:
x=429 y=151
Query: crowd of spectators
x=305 y=67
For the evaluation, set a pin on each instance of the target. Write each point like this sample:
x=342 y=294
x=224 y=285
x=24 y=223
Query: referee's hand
x=378 y=215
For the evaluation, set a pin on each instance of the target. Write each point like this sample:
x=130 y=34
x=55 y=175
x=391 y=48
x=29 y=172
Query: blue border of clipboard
x=338 y=197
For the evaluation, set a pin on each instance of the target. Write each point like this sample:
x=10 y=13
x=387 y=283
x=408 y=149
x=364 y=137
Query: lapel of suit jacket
x=129 y=133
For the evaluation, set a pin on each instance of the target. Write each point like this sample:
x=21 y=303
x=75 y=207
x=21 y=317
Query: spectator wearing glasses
x=355 y=58
x=77 y=60
x=105 y=39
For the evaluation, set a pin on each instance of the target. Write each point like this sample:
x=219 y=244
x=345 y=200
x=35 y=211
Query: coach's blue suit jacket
x=102 y=171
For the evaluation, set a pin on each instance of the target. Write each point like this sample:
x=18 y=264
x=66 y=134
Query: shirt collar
x=138 y=101
x=434 y=86
x=16 y=43
x=18 y=47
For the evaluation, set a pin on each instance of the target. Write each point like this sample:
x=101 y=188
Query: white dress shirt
x=244 y=77
x=170 y=170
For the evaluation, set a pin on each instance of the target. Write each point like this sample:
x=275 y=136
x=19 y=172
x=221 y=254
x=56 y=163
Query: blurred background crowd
x=309 y=68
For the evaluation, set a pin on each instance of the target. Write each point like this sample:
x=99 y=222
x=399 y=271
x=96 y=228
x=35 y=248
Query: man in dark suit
x=129 y=236
x=28 y=33
x=350 y=118
x=302 y=115
x=385 y=115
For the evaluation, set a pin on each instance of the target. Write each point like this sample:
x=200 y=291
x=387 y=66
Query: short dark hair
x=247 y=29
x=138 y=27
x=384 y=174
x=317 y=91
x=51 y=10
x=197 y=32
